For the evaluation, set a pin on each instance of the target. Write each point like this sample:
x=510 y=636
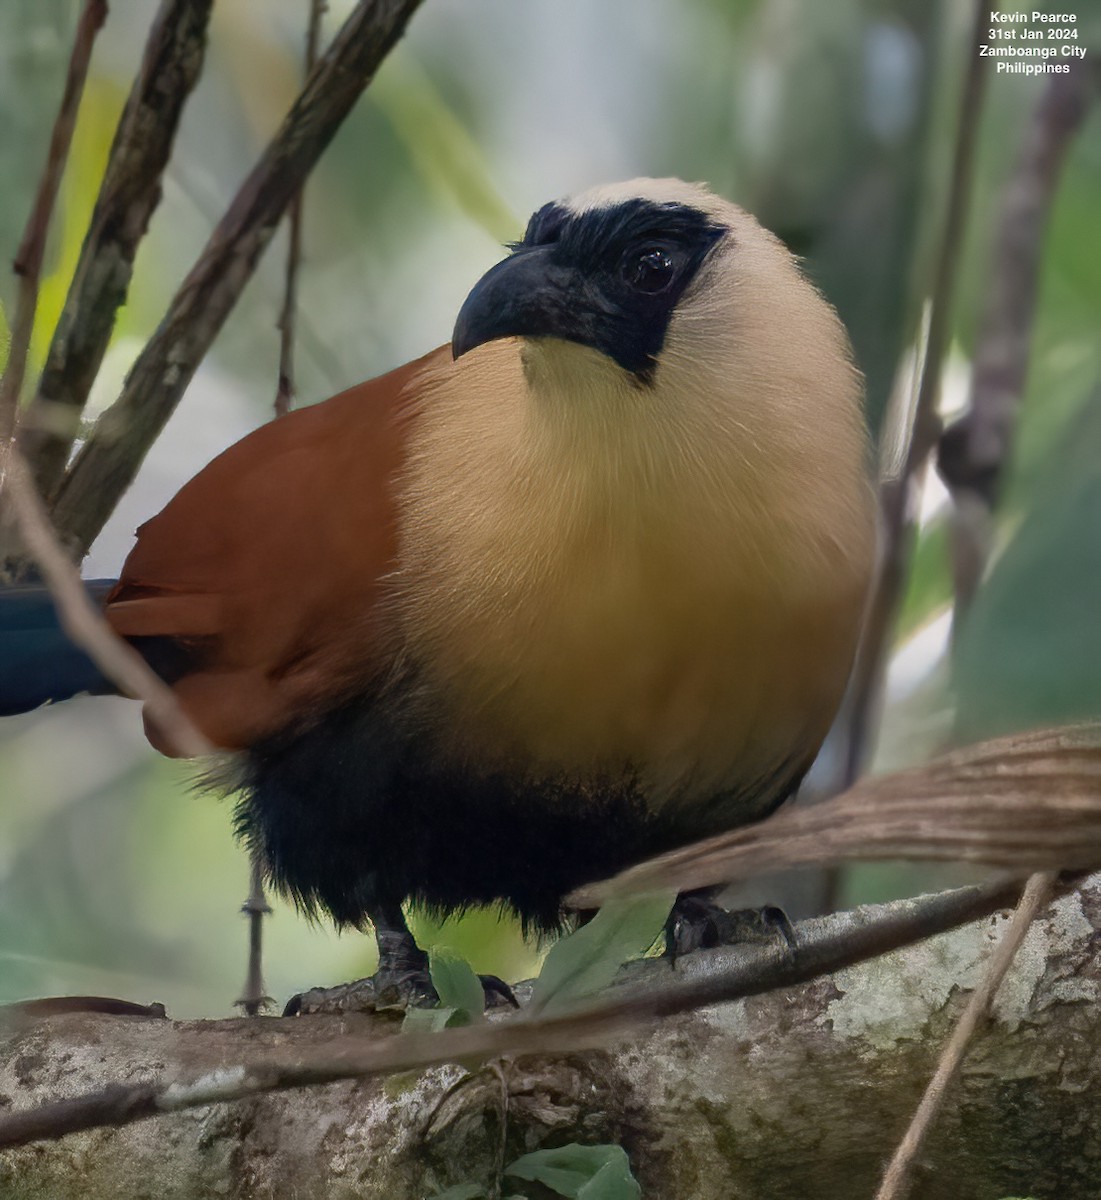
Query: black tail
x=38 y=663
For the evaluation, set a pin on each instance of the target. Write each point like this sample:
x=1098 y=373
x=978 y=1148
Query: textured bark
x=798 y=1094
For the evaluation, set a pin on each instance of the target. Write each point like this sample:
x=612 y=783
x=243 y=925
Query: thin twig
x=110 y=457
x=824 y=945
x=974 y=451
x=32 y=248
x=899 y=497
x=1037 y=895
x=285 y=391
x=84 y=624
x=254 y=1000
x=128 y=196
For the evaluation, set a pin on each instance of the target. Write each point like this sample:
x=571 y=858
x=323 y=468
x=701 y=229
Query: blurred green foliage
x=833 y=122
x=1030 y=649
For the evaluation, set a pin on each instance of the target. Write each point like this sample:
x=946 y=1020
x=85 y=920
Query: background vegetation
x=833 y=122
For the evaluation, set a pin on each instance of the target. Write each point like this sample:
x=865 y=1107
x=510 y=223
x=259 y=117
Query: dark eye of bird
x=650 y=270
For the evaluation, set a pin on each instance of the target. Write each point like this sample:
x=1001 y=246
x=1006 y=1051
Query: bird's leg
x=398 y=953
x=402 y=980
x=698 y=923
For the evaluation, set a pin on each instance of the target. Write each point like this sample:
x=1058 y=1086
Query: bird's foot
x=388 y=990
x=698 y=923
x=385 y=991
x=401 y=982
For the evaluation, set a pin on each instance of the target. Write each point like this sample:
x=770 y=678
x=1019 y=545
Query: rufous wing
x=268 y=565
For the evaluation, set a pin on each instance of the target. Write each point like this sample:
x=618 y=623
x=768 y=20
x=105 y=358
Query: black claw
x=493 y=986
x=775 y=919
x=698 y=923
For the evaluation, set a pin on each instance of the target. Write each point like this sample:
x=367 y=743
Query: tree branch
x=1024 y=803
x=822 y=945
x=109 y=459
x=32 y=248
x=128 y=196
x=285 y=390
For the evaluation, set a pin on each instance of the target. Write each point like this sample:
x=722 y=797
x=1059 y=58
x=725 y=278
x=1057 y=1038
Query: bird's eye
x=649 y=270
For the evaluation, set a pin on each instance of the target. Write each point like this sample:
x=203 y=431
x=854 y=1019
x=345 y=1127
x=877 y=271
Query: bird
x=583 y=586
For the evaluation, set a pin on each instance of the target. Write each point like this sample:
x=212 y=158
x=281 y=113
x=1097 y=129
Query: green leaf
x=456 y=983
x=613 y=1181
x=428 y=1020
x=587 y=961
x=100 y=106
x=1029 y=651
x=462 y=999
x=929 y=588
x=580 y=1172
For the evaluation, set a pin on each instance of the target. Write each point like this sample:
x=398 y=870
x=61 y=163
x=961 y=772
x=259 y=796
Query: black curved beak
x=526 y=295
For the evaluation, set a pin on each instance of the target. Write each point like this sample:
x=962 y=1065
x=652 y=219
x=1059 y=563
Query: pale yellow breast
x=591 y=595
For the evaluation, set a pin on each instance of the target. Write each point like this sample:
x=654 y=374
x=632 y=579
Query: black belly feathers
x=364 y=810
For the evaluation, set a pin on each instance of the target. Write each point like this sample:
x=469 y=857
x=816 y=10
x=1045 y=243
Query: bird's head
x=606 y=270
x=663 y=279
x=669 y=342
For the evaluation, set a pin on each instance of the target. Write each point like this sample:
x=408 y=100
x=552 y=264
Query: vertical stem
x=256 y=906
x=253 y=998
x=974 y=451
x=286 y=324
x=32 y=248
x=899 y=497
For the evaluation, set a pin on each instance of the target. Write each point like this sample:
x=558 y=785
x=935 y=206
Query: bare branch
x=899 y=496
x=32 y=248
x=128 y=196
x=54 y=1006
x=823 y=945
x=109 y=459
x=974 y=451
x=286 y=324
x=1024 y=803
x=85 y=625
x=896 y=1181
